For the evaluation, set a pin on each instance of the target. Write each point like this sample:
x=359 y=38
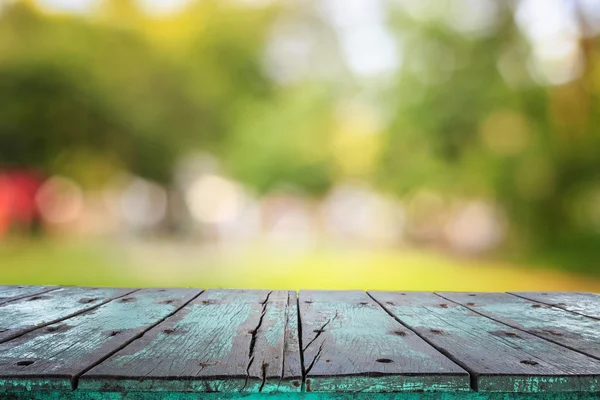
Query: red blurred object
x=17 y=199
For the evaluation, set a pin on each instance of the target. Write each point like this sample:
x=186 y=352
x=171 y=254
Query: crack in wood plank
x=253 y=343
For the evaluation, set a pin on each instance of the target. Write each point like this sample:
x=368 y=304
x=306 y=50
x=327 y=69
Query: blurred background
x=373 y=144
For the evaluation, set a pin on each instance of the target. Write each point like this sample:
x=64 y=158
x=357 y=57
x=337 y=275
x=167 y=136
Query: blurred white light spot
x=213 y=199
x=289 y=49
x=368 y=46
x=552 y=27
x=475 y=227
x=477 y=17
x=370 y=50
x=60 y=200
x=556 y=62
x=143 y=204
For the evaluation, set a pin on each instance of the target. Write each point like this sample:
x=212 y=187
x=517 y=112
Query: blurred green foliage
x=120 y=90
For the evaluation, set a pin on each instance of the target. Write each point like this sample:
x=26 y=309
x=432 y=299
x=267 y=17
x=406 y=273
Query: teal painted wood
x=499 y=358
x=82 y=395
x=571 y=330
x=351 y=345
x=224 y=341
x=32 y=312
x=12 y=293
x=587 y=304
x=53 y=357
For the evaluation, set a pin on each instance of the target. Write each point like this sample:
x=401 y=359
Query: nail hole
x=402 y=294
x=438 y=331
x=472 y=294
x=128 y=299
x=87 y=301
x=400 y=333
x=52 y=328
x=511 y=334
x=166 y=301
x=536 y=305
x=114 y=333
x=326 y=360
x=389 y=302
x=308 y=301
x=555 y=333
x=529 y=362
x=363 y=303
x=35 y=298
x=169 y=331
x=470 y=304
x=24 y=363
x=384 y=360
x=444 y=305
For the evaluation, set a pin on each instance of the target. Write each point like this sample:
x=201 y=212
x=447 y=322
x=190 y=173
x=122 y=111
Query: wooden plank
x=12 y=293
x=350 y=344
x=19 y=317
x=574 y=331
x=225 y=341
x=292 y=361
x=587 y=304
x=53 y=357
x=499 y=358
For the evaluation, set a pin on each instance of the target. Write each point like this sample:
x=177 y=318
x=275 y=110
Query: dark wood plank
x=53 y=357
x=225 y=340
x=351 y=344
x=499 y=358
x=571 y=330
x=12 y=293
x=32 y=312
x=587 y=304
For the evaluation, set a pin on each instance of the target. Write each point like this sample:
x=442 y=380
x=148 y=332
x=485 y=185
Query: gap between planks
x=531 y=332
x=44 y=324
x=75 y=379
x=472 y=377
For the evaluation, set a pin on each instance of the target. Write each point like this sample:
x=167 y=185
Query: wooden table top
x=104 y=343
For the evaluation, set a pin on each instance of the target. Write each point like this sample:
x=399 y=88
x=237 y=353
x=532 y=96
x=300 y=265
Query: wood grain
x=498 y=357
x=225 y=341
x=24 y=315
x=351 y=344
x=571 y=330
x=587 y=304
x=54 y=356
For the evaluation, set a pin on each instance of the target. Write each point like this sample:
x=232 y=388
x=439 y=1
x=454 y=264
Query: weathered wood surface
x=582 y=303
x=95 y=343
x=498 y=357
x=54 y=356
x=225 y=340
x=11 y=293
x=26 y=314
x=351 y=344
x=571 y=330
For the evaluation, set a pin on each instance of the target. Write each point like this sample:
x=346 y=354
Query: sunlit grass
x=151 y=264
